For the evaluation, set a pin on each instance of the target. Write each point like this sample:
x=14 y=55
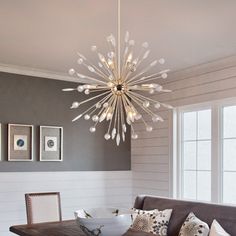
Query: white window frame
x=216 y=141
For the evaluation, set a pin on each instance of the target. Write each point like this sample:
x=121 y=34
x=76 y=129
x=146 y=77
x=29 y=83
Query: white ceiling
x=46 y=34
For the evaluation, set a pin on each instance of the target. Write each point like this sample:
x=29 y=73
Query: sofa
x=225 y=215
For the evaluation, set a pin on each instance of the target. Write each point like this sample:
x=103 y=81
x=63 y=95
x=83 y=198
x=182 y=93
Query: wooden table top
x=63 y=228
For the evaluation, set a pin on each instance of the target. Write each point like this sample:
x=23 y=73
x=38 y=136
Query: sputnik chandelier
x=119 y=92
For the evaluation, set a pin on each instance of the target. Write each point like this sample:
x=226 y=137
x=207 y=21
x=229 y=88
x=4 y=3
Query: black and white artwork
x=51 y=143
x=0 y=141
x=20 y=142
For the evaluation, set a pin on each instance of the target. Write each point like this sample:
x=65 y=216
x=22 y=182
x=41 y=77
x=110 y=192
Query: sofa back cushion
x=225 y=215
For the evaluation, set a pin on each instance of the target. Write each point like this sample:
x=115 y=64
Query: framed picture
x=0 y=141
x=51 y=143
x=20 y=142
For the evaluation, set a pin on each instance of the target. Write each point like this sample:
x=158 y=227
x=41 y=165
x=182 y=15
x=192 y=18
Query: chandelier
x=118 y=91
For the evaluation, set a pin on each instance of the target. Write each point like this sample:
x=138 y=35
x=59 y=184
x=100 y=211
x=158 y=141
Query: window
x=206 y=152
x=196 y=155
x=229 y=154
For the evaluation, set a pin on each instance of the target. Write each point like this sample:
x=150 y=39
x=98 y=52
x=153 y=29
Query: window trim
x=216 y=141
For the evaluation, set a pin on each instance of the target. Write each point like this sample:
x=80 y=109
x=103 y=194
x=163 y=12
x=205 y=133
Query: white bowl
x=104 y=221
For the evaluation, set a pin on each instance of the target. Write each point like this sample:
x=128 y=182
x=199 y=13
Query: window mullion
x=215 y=155
x=196 y=155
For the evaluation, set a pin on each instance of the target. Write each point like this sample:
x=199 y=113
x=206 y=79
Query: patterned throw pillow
x=217 y=230
x=155 y=221
x=194 y=227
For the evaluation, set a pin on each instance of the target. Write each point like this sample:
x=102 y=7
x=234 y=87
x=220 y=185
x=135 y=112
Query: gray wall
x=39 y=101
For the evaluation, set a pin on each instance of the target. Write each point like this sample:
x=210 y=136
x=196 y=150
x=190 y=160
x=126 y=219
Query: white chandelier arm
x=90 y=78
x=83 y=59
x=142 y=72
x=144 y=80
x=143 y=97
x=125 y=104
x=80 y=115
x=113 y=49
x=101 y=75
x=105 y=65
x=155 y=76
x=137 y=101
x=122 y=120
x=116 y=114
x=98 y=90
x=92 y=98
x=101 y=102
x=104 y=75
x=109 y=127
x=144 y=57
x=132 y=129
x=125 y=54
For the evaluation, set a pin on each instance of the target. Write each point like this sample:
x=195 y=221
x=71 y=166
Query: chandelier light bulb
x=92 y=129
x=152 y=91
x=80 y=61
x=156 y=118
x=149 y=128
x=86 y=91
x=157 y=105
x=105 y=105
x=164 y=75
x=110 y=84
x=146 y=104
x=134 y=136
x=138 y=116
x=145 y=45
x=95 y=118
x=162 y=61
x=110 y=54
x=75 y=105
x=80 y=88
x=87 y=117
x=71 y=71
x=98 y=105
x=107 y=136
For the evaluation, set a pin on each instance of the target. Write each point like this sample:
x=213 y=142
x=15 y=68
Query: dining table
x=62 y=228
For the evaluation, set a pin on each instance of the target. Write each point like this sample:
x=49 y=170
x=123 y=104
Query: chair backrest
x=43 y=207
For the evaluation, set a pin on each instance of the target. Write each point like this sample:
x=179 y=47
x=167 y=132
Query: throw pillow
x=155 y=221
x=194 y=227
x=217 y=230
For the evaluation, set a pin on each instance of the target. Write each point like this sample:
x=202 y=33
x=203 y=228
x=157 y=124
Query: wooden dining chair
x=43 y=207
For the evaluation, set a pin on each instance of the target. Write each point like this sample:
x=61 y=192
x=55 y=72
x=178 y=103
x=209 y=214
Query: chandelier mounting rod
x=119 y=37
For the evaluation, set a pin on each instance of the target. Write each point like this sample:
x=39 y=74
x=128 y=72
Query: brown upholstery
x=225 y=215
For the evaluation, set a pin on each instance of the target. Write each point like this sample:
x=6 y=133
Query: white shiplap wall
x=152 y=152
x=78 y=190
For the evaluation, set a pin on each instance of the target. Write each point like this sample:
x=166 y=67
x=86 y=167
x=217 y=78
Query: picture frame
x=51 y=143
x=0 y=141
x=20 y=142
